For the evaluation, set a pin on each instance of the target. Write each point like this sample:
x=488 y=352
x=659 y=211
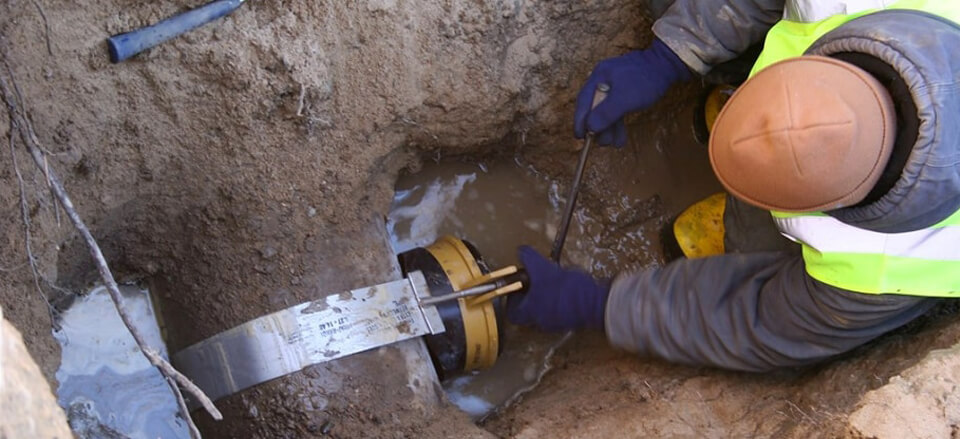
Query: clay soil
x=248 y=166
x=597 y=392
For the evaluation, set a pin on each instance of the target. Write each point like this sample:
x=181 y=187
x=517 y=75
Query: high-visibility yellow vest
x=798 y=31
x=921 y=263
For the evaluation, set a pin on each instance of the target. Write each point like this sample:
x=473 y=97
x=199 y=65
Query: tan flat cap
x=805 y=134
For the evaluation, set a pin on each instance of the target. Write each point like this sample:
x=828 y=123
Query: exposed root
x=547 y=366
x=300 y=100
x=46 y=25
x=182 y=403
x=27 y=239
x=803 y=414
x=20 y=124
x=13 y=268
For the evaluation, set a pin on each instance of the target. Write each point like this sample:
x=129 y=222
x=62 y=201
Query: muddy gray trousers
x=753 y=309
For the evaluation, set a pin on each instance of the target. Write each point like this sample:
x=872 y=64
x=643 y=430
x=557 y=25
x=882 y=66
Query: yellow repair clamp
x=468 y=297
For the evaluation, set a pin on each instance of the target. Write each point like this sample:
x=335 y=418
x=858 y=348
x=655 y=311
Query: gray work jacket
x=757 y=311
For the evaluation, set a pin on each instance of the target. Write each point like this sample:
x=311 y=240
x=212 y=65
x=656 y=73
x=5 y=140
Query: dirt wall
x=246 y=166
x=27 y=407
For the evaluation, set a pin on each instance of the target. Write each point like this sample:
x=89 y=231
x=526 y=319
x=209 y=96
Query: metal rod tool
x=467 y=292
x=598 y=96
x=505 y=280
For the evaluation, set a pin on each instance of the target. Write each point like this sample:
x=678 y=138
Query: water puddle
x=107 y=387
x=498 y=206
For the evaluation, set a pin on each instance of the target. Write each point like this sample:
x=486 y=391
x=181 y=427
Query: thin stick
x=30 y=141
x=46 y=25
x=33 y=134
x=56 y=207
x=25 y=217
x=13 y=268
x=194 y=431
x=303 y=93
x=543 y=372
x=797 y=408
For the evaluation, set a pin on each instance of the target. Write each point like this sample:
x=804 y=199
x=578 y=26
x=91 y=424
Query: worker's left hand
x=637 y=80
x=558 y=299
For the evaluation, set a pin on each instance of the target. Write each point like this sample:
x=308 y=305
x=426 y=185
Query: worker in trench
x=844 y=139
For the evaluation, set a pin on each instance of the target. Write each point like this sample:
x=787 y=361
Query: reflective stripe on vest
x=925 y=262
x=808 y=11
x=791 y=37
x=922 y=263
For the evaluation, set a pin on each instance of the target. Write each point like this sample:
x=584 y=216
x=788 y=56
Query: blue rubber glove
x=637 y=80
x=557 y=299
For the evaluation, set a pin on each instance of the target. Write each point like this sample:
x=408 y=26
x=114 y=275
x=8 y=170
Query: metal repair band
x=287 y=341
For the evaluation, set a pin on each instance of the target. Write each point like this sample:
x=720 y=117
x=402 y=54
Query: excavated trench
x=253 y=165
x=548 y=385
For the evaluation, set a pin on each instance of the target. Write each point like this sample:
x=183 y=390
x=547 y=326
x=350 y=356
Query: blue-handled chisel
x=125 y=45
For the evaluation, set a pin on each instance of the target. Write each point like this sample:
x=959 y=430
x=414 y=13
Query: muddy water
x=107 y=387
x=629 y=196
x=498 y=206
x=494 y=206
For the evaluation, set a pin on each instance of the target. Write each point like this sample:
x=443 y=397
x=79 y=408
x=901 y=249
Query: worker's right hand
x=637 y=80
x=557 y=299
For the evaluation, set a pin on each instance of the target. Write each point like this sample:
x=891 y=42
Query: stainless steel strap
x=309 y=333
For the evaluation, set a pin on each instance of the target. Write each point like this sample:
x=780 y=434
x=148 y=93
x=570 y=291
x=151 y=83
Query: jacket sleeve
x=751 y=311
x=704 y=33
